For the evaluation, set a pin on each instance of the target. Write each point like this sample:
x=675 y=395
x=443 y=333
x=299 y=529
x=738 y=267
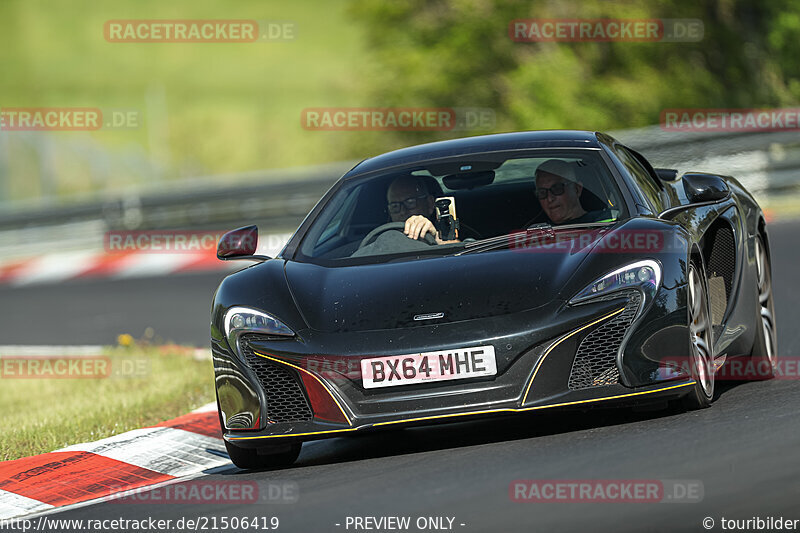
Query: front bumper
x=315 y=430
x=536 y=359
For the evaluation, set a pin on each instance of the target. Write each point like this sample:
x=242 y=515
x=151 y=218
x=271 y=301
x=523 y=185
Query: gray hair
x=558 y=168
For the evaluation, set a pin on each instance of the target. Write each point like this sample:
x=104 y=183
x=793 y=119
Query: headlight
x=644 y=275
x=242 y=319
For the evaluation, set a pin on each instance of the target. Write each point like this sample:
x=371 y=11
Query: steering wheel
x=373 y=235
x=466 y=232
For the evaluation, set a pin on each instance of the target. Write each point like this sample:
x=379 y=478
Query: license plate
x=430 y=366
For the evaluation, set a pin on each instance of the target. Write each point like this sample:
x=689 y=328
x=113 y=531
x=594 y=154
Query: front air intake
x=595 y=362
x=286 y=401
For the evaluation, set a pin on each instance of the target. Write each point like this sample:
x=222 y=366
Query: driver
x=559 y=194
x=409 y=200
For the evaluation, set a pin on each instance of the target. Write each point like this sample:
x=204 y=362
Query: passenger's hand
x=417 y=226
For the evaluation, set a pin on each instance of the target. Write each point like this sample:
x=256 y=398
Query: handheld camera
x=446 y=221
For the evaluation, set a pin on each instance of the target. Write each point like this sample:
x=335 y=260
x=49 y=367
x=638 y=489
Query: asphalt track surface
x=96 y=311
x=744 y=450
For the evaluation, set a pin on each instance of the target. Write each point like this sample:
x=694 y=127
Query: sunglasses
x=408 y=204
x=556 y=190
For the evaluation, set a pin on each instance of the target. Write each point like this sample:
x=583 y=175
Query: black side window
x=643 y=178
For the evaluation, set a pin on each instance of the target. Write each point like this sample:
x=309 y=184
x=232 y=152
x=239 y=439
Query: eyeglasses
x=556 y=190
x=408 y=204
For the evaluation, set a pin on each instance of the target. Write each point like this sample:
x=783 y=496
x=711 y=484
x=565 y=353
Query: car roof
x=483 y=143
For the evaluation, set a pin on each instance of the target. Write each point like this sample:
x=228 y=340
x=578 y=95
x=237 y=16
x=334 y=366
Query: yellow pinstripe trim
x=349 y=422
x=522 y=409
x=297 y=434
x=505 y=410
x=559 y=341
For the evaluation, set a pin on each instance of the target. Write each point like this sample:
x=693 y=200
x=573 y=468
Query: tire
x=701 y=341
x=764 y=355
x=251 y=459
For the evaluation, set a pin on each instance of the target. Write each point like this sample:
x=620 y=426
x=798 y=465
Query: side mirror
x=705 y=187
x=240 y=243
x=666 y=174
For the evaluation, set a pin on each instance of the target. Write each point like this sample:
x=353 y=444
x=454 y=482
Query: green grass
x=41 y=415
x=207 y=108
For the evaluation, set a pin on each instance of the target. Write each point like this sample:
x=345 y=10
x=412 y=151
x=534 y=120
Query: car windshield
x=490 y=195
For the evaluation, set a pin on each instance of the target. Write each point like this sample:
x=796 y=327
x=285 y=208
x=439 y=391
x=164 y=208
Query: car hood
x=390 y=295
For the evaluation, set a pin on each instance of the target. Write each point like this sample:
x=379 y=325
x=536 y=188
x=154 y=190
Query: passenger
x=559 y=194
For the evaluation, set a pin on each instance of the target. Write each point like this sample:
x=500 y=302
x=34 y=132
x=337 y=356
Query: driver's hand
x=417 y=226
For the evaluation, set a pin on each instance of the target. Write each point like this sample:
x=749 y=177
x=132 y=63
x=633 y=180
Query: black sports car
x=489 y=275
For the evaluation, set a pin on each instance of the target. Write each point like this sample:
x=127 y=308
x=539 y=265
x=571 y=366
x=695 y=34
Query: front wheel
x=702 y=357
x=275 y=457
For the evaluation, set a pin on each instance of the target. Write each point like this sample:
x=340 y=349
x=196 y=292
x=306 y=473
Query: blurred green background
x=213 y=109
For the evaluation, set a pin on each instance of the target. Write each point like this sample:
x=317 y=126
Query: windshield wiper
x=502 y=241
